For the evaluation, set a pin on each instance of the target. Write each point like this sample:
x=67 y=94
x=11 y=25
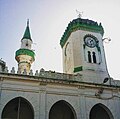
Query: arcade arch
x=100 y=111
x=18 y=108
x=62 y=110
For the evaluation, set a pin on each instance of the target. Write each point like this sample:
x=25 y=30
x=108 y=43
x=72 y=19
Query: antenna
x=79 y=13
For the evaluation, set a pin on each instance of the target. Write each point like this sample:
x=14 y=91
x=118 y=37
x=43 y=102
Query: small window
x=26 y=44
x=94 y=57
x=89 y=57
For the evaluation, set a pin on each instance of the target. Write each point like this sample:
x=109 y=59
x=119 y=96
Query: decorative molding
x=81 y=24
x=25 y=52
x=53 y=77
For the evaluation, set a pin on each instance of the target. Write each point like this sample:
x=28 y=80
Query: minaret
x=83 y=50
x=25 y=56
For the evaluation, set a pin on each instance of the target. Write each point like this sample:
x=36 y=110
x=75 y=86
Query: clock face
x=90 y=42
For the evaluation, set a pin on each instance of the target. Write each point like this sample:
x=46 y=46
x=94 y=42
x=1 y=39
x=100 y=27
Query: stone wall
x=45 y=88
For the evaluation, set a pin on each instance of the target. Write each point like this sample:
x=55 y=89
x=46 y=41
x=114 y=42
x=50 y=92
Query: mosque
x=83 y=91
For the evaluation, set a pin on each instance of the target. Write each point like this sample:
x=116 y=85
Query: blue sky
x=48 y=21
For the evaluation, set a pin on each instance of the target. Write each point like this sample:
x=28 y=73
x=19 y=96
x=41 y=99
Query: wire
x=108 y=97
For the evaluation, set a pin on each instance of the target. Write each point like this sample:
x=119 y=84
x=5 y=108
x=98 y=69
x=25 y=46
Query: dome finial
x=27 y=22
x=79 y=13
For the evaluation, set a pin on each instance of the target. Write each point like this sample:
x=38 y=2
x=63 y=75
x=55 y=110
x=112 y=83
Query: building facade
x=84 y=91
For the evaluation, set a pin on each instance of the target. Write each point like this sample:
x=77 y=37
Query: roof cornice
x=81 y=24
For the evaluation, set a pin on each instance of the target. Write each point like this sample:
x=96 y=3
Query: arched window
x=62 y=110
x=100 y=111
x=89 y=57
x=18 y=108
x=94 y=57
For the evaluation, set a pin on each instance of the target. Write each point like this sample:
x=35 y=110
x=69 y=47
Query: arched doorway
x=100 y=111
x=62 y=110
x=18 y=108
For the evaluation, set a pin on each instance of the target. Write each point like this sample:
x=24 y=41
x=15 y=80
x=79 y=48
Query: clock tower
x=83 y=50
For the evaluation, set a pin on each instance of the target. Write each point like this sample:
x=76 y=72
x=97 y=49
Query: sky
x=48 y=21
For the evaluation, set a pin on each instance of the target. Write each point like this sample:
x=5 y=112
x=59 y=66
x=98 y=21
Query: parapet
x=56 y=76
x=44 y=74
x=2 y=65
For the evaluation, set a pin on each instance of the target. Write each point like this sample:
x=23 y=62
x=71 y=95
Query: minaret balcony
x=24 y=52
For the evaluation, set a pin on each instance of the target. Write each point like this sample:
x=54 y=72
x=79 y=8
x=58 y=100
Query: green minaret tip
x=27 y=32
